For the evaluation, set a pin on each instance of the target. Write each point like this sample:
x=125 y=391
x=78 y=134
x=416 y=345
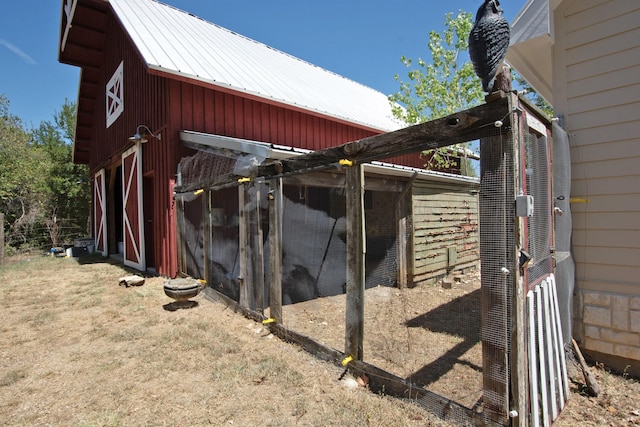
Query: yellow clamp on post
x=578 y=200
x=200 y=191
x=269 y=320
x=345 y=162
x=346 y=360
x=243 y=180
x=202 y=281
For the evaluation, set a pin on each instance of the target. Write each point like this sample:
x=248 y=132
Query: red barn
x=153 y=71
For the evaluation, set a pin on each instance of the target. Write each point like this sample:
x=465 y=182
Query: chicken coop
x=436 y=288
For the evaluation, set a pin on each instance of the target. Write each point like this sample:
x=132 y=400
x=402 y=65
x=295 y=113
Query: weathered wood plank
x=443 y=197
x=461 y=211
x=431 y=276
x=275 y=249
x=440 y=263
x=456 y=232
x=356 y=247
x=434 y=187
x=433 y=134
x=404 y=222
x=430 y=254
x=257 y=251
x=437 y=223
x=245 y=279
x=462 y=126
x=518 y=357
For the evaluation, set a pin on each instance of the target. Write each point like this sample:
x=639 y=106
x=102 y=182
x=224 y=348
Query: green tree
x=68 y=185
x=443 y=86
x=446 y=85
x=22 y=179
x=44 y=196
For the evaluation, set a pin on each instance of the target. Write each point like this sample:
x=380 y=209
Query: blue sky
x=361 y=40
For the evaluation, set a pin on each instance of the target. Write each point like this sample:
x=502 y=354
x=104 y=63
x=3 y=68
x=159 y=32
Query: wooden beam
x=275 y=249
x=257 y=248
x=518 y=353
x=207 y=239
x=458 y=127
x=245 y=280
x=403 y=225
x=354 y=328
x=496 y=201
x=437 y=133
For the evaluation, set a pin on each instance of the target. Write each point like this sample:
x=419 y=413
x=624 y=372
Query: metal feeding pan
x=182 y=289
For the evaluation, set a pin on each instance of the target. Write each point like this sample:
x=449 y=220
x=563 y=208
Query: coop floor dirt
x=427 y=334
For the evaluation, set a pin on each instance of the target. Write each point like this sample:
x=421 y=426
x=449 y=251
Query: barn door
x=100 y=213
x=133 y=223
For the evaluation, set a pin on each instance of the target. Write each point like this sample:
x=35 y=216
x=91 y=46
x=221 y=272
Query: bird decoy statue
x=488 y=43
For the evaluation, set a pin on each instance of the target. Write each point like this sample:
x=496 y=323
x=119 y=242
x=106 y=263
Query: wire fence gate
x=418 y=280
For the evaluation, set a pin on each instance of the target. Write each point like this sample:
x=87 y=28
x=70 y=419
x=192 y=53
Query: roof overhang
x=236 y=147
x=531 y=49
x=81 y=43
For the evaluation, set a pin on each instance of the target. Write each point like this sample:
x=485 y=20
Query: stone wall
x=611 y=325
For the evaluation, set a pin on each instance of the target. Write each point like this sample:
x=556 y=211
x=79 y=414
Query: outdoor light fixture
x=138 y=136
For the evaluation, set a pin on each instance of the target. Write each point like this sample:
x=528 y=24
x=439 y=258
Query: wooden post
x=179 y=206
x=275 y=249
x=1 y=238
x=110 y=239
x=245 y=279
x=404 y=247
x=207 y=240
x=518 y=353
x=496 y=204
x=354 y=328
x=257 y=250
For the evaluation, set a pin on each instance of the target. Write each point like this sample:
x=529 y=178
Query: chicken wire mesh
x=538 y=232
x=452 y=336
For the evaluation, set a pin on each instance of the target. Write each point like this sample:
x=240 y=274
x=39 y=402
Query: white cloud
x=13 y=48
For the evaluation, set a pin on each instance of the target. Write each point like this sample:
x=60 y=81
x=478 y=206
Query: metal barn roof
x=176 y=42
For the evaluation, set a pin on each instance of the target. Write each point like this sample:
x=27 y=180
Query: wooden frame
x=100 y=213
x=134 y=250
x=505 y=360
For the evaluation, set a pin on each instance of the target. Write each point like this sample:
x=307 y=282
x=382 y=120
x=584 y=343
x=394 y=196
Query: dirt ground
x=427 y=334
x=77 y=349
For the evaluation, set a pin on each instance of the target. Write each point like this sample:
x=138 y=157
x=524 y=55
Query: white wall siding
x=597 y=75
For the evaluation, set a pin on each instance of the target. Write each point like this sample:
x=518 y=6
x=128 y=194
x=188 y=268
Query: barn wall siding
x=205 y=109
x=145 y=101
x=143 y=98
x=444 y=217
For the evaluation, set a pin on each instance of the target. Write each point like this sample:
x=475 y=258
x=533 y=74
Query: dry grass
x=77 y=349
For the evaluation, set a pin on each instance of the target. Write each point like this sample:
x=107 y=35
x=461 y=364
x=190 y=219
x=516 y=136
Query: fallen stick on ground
x=590 y=381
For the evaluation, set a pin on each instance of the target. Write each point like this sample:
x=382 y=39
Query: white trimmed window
x=115 y=96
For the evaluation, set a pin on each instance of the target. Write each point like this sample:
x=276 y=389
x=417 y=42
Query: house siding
x=597 y=90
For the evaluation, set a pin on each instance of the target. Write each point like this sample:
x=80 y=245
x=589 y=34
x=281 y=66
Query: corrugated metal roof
x=179 y=43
